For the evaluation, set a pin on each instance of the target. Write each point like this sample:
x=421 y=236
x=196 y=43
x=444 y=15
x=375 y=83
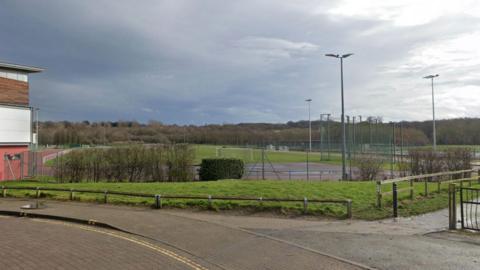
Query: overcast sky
x=196 y=62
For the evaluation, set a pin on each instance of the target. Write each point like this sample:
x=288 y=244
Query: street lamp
x=344 y=143
x=431 y=77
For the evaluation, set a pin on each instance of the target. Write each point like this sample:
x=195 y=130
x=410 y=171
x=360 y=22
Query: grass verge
x=361 y=193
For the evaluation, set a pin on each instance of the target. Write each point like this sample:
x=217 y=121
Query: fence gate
x=469 y=210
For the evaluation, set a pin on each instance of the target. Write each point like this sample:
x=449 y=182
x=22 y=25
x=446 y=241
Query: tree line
x=463 y=131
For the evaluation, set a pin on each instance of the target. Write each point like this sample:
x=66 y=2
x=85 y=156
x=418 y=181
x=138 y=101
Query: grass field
x=361 y=193
x=249 y=155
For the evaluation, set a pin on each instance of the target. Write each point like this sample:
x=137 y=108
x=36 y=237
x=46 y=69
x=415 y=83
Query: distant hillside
x=453 y=131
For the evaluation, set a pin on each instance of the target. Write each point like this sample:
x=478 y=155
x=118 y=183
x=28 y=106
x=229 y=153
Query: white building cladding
x=15 y=125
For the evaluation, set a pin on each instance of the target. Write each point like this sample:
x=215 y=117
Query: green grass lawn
x=361 y=193
x=249 y=155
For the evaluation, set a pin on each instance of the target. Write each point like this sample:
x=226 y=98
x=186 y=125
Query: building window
x=18 y=76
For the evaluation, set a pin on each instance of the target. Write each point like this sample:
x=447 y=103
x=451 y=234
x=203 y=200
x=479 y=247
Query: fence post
x=439 y=182
x=71 y=194
x=426 y=187
x=411 y=189
x=395 y=200
x=4 y=192
x=349 y=208
x=209 y=201
x=379 y=194
x=37 y=192
x=452 y=207
x=305 y=205
x=22 y=156
x=461 y=207
x=105 y=195
x=158 y=201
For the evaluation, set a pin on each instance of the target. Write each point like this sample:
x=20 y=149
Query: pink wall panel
x=5 y=173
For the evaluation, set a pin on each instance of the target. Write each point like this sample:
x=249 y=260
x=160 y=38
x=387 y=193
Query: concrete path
x=256 y=242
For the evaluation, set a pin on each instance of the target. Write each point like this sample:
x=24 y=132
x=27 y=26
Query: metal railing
x=439 y=178
x=158 y=197
x=469 y=208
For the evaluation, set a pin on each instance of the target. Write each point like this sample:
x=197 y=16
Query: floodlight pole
x=344 y=143
x=309 y=126
x=321 y=137
x=328 y=137
x=431 y=77
x=310 y=137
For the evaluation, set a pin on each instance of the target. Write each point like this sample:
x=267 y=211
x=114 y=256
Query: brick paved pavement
x=40 y=244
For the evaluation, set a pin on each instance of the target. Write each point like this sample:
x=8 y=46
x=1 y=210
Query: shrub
x=221 y=168
x=179 y=162
x=133 y=163
x=426 y=161
x=368 y=167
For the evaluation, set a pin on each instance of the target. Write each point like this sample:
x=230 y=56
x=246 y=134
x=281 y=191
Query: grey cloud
x=216 y=61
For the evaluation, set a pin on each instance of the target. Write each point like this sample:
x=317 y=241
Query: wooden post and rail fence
x=158 y=197
x=461 y=177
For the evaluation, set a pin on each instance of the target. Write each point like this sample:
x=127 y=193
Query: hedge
x=133 y=163
x=221 y=168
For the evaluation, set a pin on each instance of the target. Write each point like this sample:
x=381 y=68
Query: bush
x=426 y=161
x=368 y=167
x=221 y=168
x=133 y=163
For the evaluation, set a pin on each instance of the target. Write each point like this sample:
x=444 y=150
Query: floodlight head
x=332 y=55
x=347 y=55
x=431 y=76
x=308 y=100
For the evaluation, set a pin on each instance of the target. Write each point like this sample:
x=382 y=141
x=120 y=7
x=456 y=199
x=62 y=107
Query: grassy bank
x=361 y=193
